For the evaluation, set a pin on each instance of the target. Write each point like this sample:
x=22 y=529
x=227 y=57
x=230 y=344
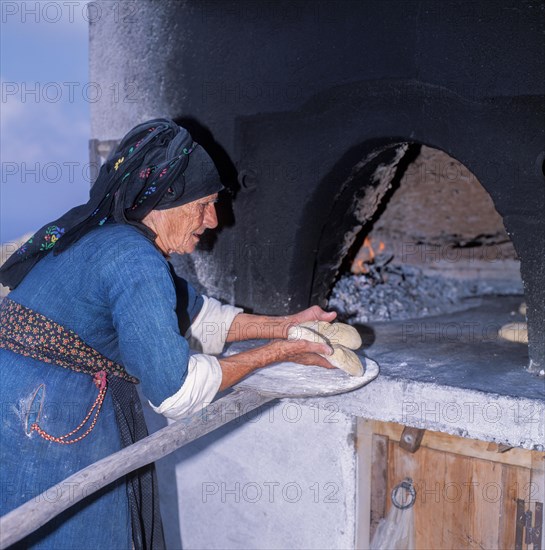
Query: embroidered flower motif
x=149 y=191
x=163 y=172
x=145 y=172
x=52 y=234
x=118 y=163
x=187 y=151
x=24 y=247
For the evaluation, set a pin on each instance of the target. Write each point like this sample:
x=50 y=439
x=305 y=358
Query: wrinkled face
x=179 y=229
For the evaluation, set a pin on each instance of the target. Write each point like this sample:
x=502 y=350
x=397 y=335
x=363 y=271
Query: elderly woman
x=95 y=309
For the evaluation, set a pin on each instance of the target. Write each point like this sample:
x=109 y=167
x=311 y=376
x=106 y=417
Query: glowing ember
x=366 y=256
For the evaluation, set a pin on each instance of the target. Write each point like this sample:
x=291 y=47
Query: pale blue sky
x=44 y=113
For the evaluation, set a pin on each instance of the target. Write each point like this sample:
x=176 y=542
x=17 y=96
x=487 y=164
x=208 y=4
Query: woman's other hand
x=236 y=367
x=246 y=326
x=313 y=313
x=305 y=352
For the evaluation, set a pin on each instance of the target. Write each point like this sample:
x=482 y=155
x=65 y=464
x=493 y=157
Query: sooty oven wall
x=291 y=96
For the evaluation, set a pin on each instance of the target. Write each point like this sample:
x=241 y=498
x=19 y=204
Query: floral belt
x=28 y=333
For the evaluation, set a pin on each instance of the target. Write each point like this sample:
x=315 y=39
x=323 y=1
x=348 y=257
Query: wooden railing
x=284 y=380
x=28 y=517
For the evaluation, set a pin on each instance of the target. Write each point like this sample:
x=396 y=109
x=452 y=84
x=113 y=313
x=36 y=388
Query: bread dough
x=301 y=332
x=346 y=360
x=514 y=332
x=336 y=333
x=342 y=357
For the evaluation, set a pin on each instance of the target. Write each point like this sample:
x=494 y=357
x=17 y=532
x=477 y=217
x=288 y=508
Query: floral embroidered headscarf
x=157 y=165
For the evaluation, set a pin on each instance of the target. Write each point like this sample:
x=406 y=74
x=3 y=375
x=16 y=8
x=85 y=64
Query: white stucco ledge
x=451 y=374
x=513 y=421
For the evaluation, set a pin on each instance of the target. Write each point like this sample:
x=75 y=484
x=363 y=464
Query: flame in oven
x=366 y=255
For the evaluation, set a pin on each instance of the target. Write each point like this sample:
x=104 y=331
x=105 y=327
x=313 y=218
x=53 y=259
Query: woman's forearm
x=251 y=327
x=246 y=326
x=236 y=367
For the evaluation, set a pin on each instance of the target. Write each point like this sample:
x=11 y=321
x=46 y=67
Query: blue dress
x=117 y=292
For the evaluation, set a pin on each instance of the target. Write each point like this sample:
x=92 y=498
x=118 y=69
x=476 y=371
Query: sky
x=44 y=113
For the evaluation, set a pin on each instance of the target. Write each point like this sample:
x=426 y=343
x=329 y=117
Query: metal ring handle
x=406 y=484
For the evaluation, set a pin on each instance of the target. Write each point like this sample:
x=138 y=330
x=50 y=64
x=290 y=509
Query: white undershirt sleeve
x=208 y=331
x=198 y=390
x=207 y=334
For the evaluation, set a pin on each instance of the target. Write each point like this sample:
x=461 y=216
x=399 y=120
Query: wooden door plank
x=515 y=483
x=457 y=495
x=429 y=519
x=460 y=445
x=537 y=495
x=485 y=525
x=379 y=480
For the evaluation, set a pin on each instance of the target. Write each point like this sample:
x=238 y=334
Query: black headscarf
x=156 y=166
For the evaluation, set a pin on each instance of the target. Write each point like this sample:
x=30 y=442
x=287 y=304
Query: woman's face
x=179 y=229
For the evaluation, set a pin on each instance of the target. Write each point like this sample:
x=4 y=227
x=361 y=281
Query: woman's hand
x=304 y=352
x=251 y=327
x=314 y=313
x=236 y=367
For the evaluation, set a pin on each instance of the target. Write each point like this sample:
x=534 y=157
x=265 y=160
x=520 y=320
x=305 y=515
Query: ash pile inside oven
x=405 y=292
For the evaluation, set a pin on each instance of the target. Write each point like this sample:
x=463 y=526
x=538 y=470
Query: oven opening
x=425 y=270
x=433 y=245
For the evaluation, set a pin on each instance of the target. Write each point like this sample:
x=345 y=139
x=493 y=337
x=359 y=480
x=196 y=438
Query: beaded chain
x=29 y=333
x=101 y=383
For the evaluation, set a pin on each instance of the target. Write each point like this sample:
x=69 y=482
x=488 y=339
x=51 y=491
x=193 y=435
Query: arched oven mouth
x=433 y=242
x=417 y=258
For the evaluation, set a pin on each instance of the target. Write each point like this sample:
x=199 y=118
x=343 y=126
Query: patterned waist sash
x=28 y=333
x=32 y=334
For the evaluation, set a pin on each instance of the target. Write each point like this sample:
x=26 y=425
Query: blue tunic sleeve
x=188 y=302
x=143 y=302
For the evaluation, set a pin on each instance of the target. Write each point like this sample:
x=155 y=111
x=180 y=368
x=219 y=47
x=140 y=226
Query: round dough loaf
x=342 y=357
x=346 y=360
x=336 y=333
x=514 y=332
x=300 y=332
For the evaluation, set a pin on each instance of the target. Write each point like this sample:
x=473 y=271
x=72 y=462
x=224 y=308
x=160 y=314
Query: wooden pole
x=28 y=517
